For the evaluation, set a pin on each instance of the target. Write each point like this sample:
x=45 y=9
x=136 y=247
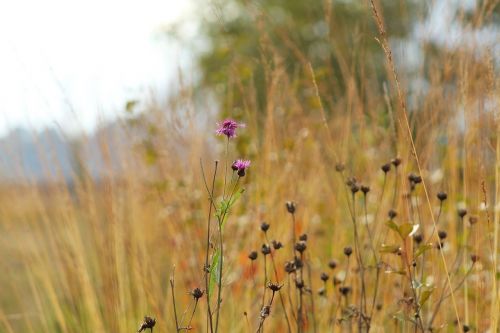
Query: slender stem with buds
x=281 y=296
x=206 y=268
x=172 y=287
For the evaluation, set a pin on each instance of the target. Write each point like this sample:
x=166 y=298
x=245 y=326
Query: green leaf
x=214 y=272
x=405 y=229
x=402 y=317
x=392 y=225
x=426 y=293
x=389 y=248
x=400 y=272
x=222 y=212
x=236 y=196
x=129 y=107
x=422 y=249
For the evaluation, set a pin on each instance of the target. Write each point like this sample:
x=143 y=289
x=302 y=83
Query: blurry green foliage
x=337 y=37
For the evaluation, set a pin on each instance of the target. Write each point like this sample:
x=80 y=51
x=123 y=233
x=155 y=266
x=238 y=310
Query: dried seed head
x=440 y=245
x=339 y=167
x=274 y=286
x=345 y=290
x=473 y=220
x=332 y=264
x=299 y=283
x=365 y=189
x=336 y=281
x=148 y=322
x=442 y=234
x=386 y=167
x=350 y=181
x=290 y=207
x=266 y=310
x=324 y=277
x=290 y=267
x=416 y=179
x=301 y=246
x=418 y=238
x=277 y=245
x=466 y=328
x=303 y=237
x=322 y=291
x=474 y=258
x=298 y=263
x=264 y=226
x=442 y=196
x=266 y=249
x=354 y=188
x=197 y=293
x=348 y=250
x=396 y=161
x=392 y=214
x=252 y=255
x=462 y=212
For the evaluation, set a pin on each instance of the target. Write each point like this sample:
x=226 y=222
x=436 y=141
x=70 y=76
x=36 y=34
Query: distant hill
x=46 y=155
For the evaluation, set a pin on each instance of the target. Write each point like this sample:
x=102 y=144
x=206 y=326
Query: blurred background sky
x=73 y=63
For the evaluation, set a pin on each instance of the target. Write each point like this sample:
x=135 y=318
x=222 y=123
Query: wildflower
x=228 y=128
x=240 y=166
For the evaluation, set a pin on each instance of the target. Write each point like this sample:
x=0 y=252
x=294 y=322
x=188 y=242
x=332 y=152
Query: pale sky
x=92 y=54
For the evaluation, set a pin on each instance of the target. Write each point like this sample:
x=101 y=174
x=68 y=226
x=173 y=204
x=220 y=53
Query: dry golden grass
x=97 y=256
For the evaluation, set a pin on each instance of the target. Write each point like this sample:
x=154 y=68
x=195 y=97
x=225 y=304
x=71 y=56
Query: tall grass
x=96 y=255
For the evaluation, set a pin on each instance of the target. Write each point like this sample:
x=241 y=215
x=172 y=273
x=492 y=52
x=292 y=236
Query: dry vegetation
x=98 y=255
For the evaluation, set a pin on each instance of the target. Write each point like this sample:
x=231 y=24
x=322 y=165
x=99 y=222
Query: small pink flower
x=228 y=128
x=240 y=166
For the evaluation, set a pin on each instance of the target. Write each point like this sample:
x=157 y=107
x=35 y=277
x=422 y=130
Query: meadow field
x=301 y=196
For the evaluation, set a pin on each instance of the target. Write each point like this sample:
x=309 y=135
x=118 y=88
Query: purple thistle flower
x=240 y=166
x=228 y=128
